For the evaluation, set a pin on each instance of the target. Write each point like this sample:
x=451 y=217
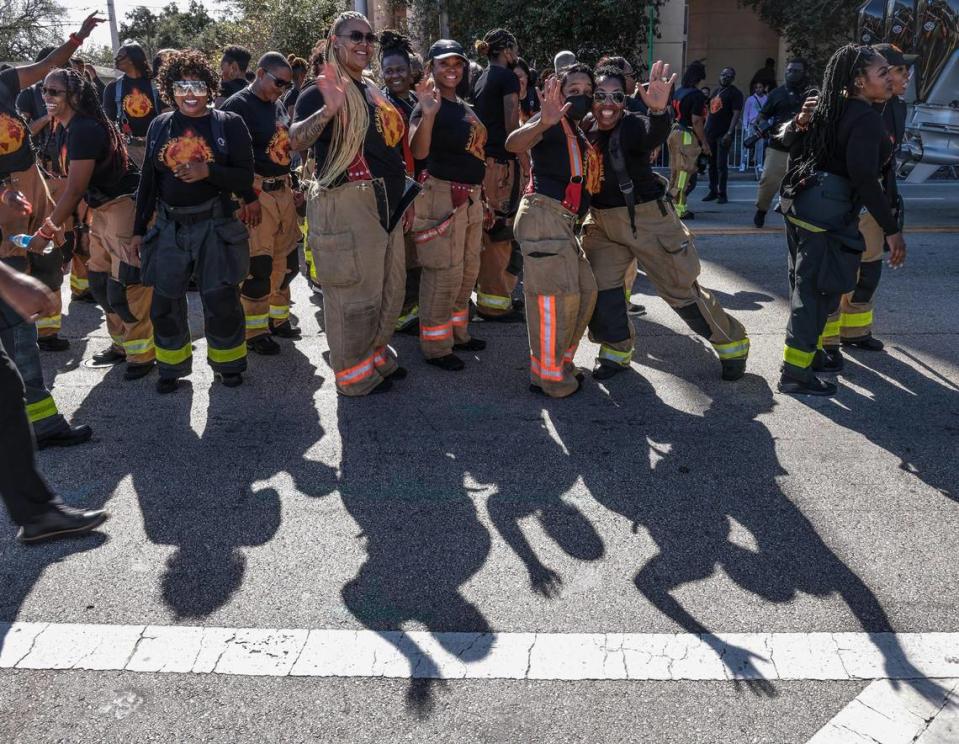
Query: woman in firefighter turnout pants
x=645 y=228
x=448 y=225
x=100 y=171
x=355 y=208
x=269 y=209
x=196 y=158
x=559 y=287
x=834 y=172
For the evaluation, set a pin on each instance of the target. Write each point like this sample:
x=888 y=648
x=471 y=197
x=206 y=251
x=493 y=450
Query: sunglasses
x=52 y=92
x=617 y=96
x=278 y=82
x=185 y=87
x=358 y=37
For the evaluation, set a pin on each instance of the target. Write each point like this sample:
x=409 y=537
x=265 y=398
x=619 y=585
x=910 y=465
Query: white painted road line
x=889 y=712
x=420 y=654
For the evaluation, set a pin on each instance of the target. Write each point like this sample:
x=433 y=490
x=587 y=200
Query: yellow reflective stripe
x=497 y=302
x=857 y=320
x=79 y=283
x=687 y=137
x=174 y=356
x=51 y=321
x=622 y=358
x=257 y=322
x=279 y=312
x=403 y=320
x=735 y=350
x=223 y=356
x=798 y=358
x=41 y=409
x=804 y=225
x=138 y=346
x=831 y=330
x=117 y=340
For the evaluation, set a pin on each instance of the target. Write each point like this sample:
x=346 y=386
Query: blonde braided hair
x=352 y=120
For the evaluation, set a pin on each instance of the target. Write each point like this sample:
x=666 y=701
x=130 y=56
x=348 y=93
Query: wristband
x=48 y=223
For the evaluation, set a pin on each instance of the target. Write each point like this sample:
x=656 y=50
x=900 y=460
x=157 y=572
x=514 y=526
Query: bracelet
x=76 y=39
x=44 y=235
x=48 y=223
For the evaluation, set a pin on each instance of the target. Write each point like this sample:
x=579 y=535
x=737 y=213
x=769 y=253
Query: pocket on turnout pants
x=434 y=244
x=550 y=267
x=335 y=258
x=233 y=258
x=839 y=270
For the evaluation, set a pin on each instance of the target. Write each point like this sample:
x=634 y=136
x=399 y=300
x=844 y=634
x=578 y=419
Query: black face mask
x=726 y=80
x=794 y=79
x=579 y=105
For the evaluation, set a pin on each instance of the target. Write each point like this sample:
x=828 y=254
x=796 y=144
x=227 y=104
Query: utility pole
x=114 y=32
x=444 y=21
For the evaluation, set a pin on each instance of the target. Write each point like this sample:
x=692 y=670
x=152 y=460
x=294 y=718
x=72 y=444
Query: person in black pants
x=29 y=501
x=725 y=111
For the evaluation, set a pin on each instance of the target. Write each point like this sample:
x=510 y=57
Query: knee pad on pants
x=694 y=319
x=515 y=264
x=117 y=297
x=98 y=288
x=869 y=274
x=292 y=268
x=223 y=310
x=610 y=322
x=257 y=284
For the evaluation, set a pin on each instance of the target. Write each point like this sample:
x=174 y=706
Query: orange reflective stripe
x=379 y=357
x=554 y=374
x=437 y=333
x=547 y=329
x=461 y=318
x=356 y=373
x=570 y=353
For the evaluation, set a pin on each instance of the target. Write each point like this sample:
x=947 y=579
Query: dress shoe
x=108 y=357
x=474 y=344
x=53 y=343
x=733 y=369
x=869 y=343
x=448 y=363
x=61 y=521
x=68 y=436
x=264 y=346
x=286 y=330
x=136 y=371
x=812 y=386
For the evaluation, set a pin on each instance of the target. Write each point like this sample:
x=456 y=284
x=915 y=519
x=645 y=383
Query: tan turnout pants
x=684 y=150
x=495 y=285
x=31 y=183
x=448 y=244
x=275 y=238
x=774 y=170
x=665 y=251
x=111 y=225
x=560 y=292
x=362 y=270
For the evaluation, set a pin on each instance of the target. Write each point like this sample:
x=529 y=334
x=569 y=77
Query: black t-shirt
x=138 y=106
x=85 y=139
x=493 y=85
x=229 y=87
x=191 y=139
x=405 y=106
x=639 y=137
x=290 y=97
x=16 y=149
x=269 y=128
x=30 y=104
x=457 y=144
x=722 y=105
x=687 y=103
x=781 y=106
x=553 y=170
x=382 y=148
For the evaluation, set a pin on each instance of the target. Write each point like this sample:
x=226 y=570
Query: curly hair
x=318 y=56
x=297 y=64
x=83 y=98
x=179 y=64
x=393 y=43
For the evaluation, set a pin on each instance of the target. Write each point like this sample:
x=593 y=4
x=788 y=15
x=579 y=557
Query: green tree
x=590 y=28
x=194 y=28
x=26 y=26
x=287 y=26
x=813 y=29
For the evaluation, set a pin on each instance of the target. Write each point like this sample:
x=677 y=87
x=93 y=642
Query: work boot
x=108 y=357
x=383 y=387
x=83 y=297
x=759 y=219
x=264 y=345
x=400 y=373
x=534 y=388
x=448 y=363
x=136 y=371
x=688 y=216
x=410 y=329
x=167 y=385
x=829 y=361
x=286 y=329
x=606 y=371
x=867 y=342
x=722 y=199
x=229 y=379
x=733 y=369
x=68 y=436
x=635 y=310
x=513 y=316
x=711 y=196
x=53 y=343
x=812 y=386
x=474 y=344
x=60 y=521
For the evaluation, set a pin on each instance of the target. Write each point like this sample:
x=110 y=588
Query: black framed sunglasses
x=617 y=97
x=52 y=92
x=278 y=82
x=358 y=37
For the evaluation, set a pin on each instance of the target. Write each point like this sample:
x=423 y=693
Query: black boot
x=53 y=343
x=812 y=386
x=61 y=521
x=711 y=196
x=474 y=344
x=286 y=330
x=867 y=342
x=230 y=379
x=136 y=371
x=449 y=363
x=264 y=345
x=167 y=385
x=829 y=361
x=733 y=369
x=108 y=357
x=68 y=436
x=759 y=219
x=605 y=371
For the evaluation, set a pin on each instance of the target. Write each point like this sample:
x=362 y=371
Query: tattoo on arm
x=511 y=112
x=304 y=133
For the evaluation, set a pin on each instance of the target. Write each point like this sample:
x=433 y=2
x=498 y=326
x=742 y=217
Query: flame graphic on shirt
x=137 y=105
x=12 y=134
x=279 y=150
x=389 y=122
x=188 y=147
x=594 y=169
x=476 y=144
x=716 y=105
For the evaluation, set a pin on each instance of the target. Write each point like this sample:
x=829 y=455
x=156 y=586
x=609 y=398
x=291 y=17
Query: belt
x=189 y=215
x=274 y=184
